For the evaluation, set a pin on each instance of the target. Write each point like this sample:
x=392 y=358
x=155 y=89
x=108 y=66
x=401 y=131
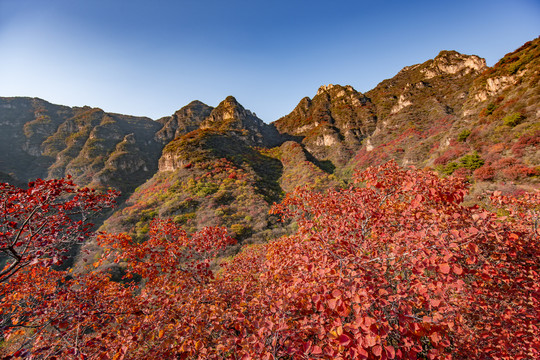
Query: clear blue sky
x=152 y=57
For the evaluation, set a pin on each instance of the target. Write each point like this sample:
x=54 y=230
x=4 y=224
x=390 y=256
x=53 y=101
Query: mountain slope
x=451 y=113
x=333 y=124
x=39 y=139
x=224 y=166
x=214 y=175
x=461 y=116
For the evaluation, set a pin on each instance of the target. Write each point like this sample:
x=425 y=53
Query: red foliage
x=452 y=153
x=505 y=162
x=518 y=171
x=40 y=223
x=525 y=141
x=484 y=173
x=395 y=268
x=462 y=173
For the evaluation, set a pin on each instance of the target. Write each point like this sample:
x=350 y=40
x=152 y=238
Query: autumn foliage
x=394 y=267
x=40 y=223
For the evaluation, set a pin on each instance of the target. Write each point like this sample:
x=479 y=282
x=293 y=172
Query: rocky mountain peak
x=452 y=62
x=229 y=115
x=324 y=88
x=335 y=90
x=186 y=119
x=338 y=117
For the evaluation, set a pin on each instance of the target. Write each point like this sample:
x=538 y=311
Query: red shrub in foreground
x=40 y=223
x=395 y=268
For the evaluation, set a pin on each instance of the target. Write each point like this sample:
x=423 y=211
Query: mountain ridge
x=224 y=166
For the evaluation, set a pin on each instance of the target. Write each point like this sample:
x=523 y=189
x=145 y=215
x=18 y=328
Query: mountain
x=218 y=170
x=455 y=114
x=224 y=166
x=333 y=124
x=451 y=113
x=39 y=139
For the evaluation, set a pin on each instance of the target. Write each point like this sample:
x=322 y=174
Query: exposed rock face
x=230 y=115
x=46 y=140
x=452 y=62
x=333 y=124
x=186 y=119
x=494 y=86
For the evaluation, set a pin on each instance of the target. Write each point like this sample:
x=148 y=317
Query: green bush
x=207 y=189
x=182 y=219
x=513 y=119
x=147 y=215
x=490 y=108
x=464 y=135
x=472 y=161
x=449 y=168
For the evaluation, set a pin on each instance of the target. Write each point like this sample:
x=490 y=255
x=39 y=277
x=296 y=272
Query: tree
x=40 y=223
x=395 y=267
x=89 y=316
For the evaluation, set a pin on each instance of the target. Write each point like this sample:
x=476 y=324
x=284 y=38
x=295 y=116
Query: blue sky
x=152 y=57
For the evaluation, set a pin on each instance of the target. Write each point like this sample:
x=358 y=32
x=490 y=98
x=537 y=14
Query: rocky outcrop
x=226 y=129
x=452 y=62
x=333 y=124
x=186 y=119
x=229 y=115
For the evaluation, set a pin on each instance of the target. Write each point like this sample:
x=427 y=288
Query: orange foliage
x=393 y=268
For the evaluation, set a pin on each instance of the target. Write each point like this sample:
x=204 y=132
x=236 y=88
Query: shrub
x=483 y=173
x=241 y=230
x=184 y=218
x=464 y=135
x=513 y=119
x=505 y=162
x=462 y=172
x=451 y=154
x=518 y=171
x=490 y=108
x=527 y=140
x=472 y=161
x=449 y=168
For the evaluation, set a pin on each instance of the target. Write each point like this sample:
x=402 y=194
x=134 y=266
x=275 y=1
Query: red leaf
x=344 y=340
x=444 y=268
x=390 y=352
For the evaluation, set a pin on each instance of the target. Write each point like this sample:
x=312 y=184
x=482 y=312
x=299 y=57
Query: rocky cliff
x=39 y=139
x=333 y=124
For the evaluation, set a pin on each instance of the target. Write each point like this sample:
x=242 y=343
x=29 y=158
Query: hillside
x=452 y=113
x=221 y=173
x=42 y=140
x=206 y=166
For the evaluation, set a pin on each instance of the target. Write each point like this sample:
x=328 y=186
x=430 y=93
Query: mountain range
x=223 y=166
